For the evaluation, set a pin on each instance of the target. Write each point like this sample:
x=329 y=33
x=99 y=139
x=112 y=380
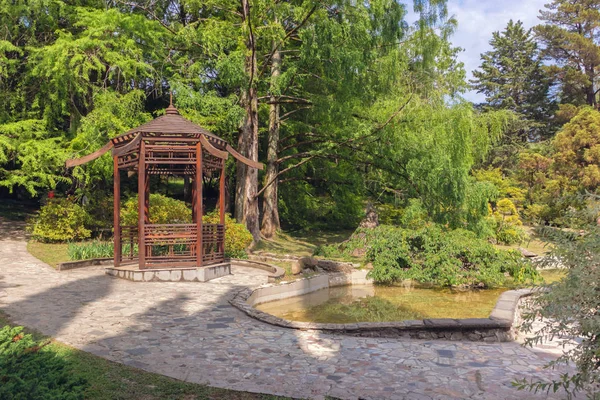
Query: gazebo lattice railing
x=169 y=145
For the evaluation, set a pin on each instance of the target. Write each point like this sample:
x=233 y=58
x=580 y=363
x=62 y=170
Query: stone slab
x=203 y=274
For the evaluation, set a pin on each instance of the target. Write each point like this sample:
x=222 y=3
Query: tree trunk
x=590 y=92
x=270 y=221
x=247 y=184
x=240 y=168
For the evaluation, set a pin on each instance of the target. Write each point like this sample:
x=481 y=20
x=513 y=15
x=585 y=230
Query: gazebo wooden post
x=222 y=206
x=222 y=195
x=141 y=206
x=116 y=212
x=194 y=201
x=198 y=205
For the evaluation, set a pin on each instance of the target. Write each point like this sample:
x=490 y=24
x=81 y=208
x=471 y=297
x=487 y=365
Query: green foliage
x=162 y=210
x=569 y=309
x=29 y=371
x=428 y=158
x=508 y=223
x=451 y=258
x=507 y=186
x=569 y=37
x=512 y=77
x=367 y=309
x=112 y=115
x=99 y=213
x=60 y=220
x=320 y=206
x=237 y=236
x=577 y=157
x=96 y=249
x=30 y=156
x=435 y=255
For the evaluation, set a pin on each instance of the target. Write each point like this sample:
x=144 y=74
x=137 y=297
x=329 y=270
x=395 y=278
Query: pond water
x=366 y=303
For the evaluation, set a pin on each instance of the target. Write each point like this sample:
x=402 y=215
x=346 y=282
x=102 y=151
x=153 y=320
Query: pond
x=368 y=303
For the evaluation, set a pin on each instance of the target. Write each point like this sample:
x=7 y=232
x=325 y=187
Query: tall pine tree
x=570 y=38
x=512 y=77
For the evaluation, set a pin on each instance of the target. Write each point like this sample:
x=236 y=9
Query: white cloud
x=477 y=20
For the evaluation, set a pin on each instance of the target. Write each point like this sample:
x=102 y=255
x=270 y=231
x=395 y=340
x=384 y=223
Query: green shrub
x=60 y=220
x=570 y=309
x=237 y=236
x=414 y=215
x=99 y=213
x=435 y=255
x=389 y=214
x=95 y=249
x=163 y=210
x=29 y=371
x=508 y=224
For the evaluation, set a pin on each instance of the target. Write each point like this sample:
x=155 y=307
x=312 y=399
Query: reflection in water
x=365 y=303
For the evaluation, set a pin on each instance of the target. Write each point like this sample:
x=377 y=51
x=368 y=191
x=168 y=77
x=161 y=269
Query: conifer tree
x=511 y=76
x=569 y=37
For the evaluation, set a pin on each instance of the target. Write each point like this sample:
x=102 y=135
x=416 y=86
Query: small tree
x=577 y=145
x=571 y=309
x=508 y=223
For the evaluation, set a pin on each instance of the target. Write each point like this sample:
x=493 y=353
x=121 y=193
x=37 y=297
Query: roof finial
x=171 y=109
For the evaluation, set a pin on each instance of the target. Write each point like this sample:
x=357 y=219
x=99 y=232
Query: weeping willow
x=429 y=152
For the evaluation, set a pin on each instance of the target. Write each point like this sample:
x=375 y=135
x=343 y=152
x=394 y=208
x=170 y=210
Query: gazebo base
x=203 y=274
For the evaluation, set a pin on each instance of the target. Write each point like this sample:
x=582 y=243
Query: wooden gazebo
x=169 y=145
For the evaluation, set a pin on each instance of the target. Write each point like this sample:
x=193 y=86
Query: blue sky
x=477 y=19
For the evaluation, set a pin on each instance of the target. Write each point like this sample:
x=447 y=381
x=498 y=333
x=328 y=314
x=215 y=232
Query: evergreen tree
x=512 y=77
x=570 y=38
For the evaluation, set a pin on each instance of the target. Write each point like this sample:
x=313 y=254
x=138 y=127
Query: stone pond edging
x=276 y=272
x=499 y=327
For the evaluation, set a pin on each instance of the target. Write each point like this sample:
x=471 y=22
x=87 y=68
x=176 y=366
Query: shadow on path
x=54 y=308
x=12 y=230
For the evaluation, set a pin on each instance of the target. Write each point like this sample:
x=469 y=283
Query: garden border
x=276 y=272
x=497 y=328
x=91 y=262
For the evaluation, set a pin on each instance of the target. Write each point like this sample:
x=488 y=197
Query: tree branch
x=283 y=171
x=287 y=36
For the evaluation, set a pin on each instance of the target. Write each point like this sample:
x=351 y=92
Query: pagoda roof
x=171 y=126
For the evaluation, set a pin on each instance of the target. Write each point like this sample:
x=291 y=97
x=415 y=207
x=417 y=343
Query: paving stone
x=446 y=353
x=138 y=352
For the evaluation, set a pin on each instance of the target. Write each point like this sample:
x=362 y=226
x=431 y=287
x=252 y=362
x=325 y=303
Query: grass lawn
x=301 y=243
x=113 y=381
x=533 y=244
x=50 y=253
x=553 y=275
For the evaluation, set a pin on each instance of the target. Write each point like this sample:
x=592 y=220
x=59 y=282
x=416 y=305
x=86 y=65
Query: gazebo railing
x=213 y=239
x=173 y=244
x=129 y=244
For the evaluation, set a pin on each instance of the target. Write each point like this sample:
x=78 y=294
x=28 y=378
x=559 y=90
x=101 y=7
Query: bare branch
x=283 y=171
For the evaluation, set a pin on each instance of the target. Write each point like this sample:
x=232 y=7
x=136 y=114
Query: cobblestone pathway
x=188 y=331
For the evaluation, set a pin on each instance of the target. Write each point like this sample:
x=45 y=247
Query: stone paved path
x=188 y=331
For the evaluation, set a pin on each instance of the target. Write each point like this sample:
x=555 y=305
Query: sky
x=477 y=19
